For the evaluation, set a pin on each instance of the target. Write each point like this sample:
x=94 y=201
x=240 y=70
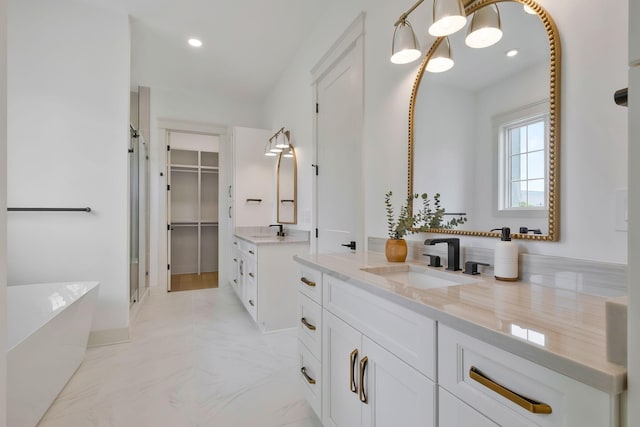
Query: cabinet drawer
x=310 y=283
x=405 y=333
x=310 y=324
x=511 y=390
x=311 y=378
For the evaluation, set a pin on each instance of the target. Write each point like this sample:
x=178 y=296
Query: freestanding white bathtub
x=48 y=328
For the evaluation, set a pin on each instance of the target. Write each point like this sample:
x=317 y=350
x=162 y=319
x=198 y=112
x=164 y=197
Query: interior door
x=339 y=94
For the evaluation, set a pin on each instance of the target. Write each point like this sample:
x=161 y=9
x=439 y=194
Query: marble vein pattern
x=195 y=359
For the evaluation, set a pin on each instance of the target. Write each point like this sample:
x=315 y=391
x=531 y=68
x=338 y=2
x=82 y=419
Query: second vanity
x=261 y=275
x=459 y=350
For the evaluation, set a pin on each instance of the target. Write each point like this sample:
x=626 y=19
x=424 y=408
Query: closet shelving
x=193 y=211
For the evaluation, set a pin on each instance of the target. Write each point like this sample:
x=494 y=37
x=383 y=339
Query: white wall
x=527 y=87
x=3 y=214
x=444 y=138
x=593 y=131
x=197 y=108
x=68 y=96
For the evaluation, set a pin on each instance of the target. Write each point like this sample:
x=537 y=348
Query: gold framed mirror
x=287 y=202
x=485 y=134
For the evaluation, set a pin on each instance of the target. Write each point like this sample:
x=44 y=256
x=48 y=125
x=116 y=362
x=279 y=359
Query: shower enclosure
x=139 y=216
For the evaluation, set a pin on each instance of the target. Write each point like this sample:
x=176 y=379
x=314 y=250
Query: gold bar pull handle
x=307 y=282
x=306 y=376
x=352 y=367
x=363 y=393
x=307 y=324
x=530 y=405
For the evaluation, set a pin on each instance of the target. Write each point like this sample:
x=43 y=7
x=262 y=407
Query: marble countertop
x=562 y=330
x=260 y=238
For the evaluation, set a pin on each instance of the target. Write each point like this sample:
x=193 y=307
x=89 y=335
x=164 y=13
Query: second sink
x=419 y=277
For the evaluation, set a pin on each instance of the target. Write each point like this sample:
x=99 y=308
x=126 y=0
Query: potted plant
x=408 y=222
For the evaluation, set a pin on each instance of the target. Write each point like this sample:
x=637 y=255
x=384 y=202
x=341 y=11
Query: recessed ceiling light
x=195 y=42
x=512 y=52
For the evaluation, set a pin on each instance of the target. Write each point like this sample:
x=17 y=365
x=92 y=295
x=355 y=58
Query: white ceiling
x=246 y=43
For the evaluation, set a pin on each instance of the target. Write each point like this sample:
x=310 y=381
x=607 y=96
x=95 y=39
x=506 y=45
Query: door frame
x=164 y=127
x=354 y=34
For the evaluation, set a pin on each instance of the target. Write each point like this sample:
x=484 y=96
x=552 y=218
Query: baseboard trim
x=108 y=337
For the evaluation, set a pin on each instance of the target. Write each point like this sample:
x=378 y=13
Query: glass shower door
x=134 y=216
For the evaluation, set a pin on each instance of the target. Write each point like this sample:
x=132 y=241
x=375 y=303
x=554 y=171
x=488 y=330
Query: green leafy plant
x=422 y=220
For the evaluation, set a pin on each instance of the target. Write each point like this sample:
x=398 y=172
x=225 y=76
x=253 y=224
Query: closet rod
x=87 y=209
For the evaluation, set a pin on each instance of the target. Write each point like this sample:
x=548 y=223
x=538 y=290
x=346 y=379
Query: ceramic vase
x=396 y=250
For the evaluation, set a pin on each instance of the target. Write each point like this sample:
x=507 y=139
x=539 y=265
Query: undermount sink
x=419 y=277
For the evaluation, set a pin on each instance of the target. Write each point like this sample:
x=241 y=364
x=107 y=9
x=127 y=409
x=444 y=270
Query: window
x=523 y=149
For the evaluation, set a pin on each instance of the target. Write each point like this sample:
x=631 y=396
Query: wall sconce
x=441 y=59
x=277 y=143
x=485 y=29
x=448 y=17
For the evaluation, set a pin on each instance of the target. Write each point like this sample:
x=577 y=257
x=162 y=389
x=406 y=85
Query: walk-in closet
x=192 y=210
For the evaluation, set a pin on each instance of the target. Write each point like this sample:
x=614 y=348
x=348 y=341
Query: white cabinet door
x=455 y=413
x=395 y=393
x=254 y=184
x=340 y=359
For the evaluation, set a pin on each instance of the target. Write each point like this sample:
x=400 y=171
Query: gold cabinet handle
x=307 y=282
x=306 y=376
x=307 y=324
x=353 y=386
x=529 y=404
x=363 y=366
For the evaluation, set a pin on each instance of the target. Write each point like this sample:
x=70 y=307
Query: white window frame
x=519 y=117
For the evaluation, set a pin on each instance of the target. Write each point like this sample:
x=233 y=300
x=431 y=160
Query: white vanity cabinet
x=264 y=281
x=378 y=360
x=512 y=391
x=366 y=385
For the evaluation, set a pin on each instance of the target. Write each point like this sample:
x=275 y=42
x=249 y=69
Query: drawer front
x=502 y=385
x=311 y=378
x=310 y=324
x=309 y=282
x=408 y=335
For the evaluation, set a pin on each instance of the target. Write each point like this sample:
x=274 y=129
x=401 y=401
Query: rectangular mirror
x=287 y=187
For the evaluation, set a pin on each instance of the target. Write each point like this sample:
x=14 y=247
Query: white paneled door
x=339 y=117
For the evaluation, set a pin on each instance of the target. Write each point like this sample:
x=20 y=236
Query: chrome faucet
x=453 y=251
x=280 y=232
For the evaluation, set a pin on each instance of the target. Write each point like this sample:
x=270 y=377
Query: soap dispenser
x=505 y=257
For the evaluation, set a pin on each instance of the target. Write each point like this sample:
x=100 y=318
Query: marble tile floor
x=195 y=359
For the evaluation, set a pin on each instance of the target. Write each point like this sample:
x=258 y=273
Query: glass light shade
x=276 y=150
x=485 y=29
x=441 y=59
x=405 y=47
x=289 y=152
x=267 y=150
x=281 y=140
x=448 y=17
